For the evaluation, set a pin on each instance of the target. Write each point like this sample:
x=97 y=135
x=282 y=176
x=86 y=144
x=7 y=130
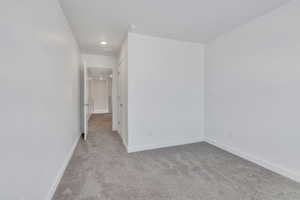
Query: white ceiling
x=188 y=20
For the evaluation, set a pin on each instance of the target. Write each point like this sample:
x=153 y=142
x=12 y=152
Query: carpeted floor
x=100 y=169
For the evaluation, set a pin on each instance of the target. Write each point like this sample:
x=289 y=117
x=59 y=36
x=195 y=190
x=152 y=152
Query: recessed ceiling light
x=103 y=43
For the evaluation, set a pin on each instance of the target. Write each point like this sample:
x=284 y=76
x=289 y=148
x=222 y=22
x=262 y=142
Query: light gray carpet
x=101 y=169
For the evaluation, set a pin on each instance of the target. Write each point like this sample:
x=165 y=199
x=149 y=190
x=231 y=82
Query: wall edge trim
x=62 y=169
x=132 y=149
x=263 y=163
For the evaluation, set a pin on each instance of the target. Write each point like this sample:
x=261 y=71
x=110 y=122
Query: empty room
x=150 y=100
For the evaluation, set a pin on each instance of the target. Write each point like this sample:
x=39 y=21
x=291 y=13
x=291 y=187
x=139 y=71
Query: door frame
x=85 y=105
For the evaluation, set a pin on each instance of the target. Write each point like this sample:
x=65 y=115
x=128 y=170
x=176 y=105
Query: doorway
x=98 y=94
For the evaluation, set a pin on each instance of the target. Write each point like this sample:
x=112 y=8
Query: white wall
x=39 y=97
x=96 y=60
x=165 y=92
x=252 y=90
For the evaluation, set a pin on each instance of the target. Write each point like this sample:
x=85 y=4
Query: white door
x=86 y=106
x=119 y=100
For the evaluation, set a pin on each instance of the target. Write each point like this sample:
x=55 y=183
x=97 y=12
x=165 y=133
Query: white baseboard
x=131 y=149
x=270 y=166
x=62 y=170
x=123 y=141
x=100 y=111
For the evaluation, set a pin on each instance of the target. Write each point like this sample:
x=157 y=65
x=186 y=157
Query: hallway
x=101 y=169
